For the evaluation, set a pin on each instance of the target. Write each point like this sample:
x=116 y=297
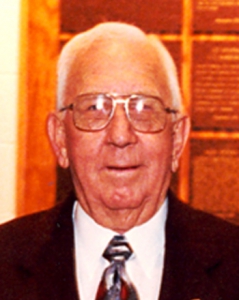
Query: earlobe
x=180 y=136
x=57 y=137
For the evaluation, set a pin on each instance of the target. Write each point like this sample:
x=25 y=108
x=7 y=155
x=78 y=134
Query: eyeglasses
x=92 y=112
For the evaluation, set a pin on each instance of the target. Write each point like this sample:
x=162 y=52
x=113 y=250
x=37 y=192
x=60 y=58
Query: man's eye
x=92 y=107
x=147 y=107
x=140 y=106
x=96 y=105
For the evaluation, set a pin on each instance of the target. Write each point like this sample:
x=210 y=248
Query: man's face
x=118 y=171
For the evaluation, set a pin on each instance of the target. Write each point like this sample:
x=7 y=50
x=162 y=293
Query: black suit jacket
x=37 y=256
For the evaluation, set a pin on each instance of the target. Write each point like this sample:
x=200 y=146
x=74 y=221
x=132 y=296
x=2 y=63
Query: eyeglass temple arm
x=70 y=106
x=170 y=110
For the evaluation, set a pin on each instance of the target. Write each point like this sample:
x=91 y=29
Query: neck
x=122 y=220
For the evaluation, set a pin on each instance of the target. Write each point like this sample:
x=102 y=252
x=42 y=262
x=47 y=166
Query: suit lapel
x=188 y=263
x=52 y=268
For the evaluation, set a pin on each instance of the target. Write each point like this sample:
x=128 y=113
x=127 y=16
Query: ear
x=181 y=131
x=57 y=137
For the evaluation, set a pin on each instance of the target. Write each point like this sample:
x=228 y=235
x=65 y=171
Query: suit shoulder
x=27 y=226
x=201 y=225
x=28 y=233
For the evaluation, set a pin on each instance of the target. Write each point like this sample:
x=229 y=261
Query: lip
x=123 y=171
x=122 y=168
x=122 y=175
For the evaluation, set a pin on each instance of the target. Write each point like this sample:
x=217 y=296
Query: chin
x=122 y=204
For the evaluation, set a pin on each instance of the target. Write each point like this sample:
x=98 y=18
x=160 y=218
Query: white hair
x=81 y=43
x=170 y=71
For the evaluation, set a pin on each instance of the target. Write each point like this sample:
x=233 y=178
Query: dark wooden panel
x=175 y=49
x=150 y=15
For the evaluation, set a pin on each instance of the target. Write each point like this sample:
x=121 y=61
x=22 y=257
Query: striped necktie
x=115 y=284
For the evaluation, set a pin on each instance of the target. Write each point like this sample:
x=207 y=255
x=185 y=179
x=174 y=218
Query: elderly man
x=121 y=128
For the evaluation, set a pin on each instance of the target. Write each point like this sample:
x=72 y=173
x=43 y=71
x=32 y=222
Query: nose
x=120 y=132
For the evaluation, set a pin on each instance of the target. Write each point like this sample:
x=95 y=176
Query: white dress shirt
x=144 y=267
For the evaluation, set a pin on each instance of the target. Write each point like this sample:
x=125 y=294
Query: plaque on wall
x=152 y=15
x=215 y=16
x=214 y=173
x=215 y=86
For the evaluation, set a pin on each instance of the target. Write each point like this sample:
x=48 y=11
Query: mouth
x=123 y=173
x=123 y=169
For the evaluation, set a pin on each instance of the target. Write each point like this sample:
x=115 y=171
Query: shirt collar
x=147 y=240
x=92 y=238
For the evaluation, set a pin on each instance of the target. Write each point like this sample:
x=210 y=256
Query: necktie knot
x=115 y=284
x=118 y=249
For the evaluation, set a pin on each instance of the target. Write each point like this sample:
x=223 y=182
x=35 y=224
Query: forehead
x=120 y=66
